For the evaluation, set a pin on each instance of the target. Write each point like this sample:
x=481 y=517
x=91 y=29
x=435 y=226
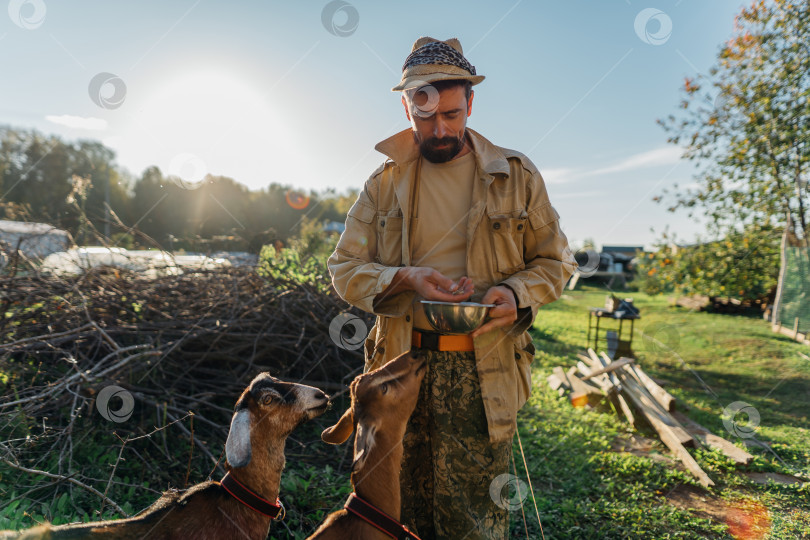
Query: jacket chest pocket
x=506 y=234
x=389 y=238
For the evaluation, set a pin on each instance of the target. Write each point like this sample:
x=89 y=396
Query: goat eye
x=384 y=387
x=267 y=399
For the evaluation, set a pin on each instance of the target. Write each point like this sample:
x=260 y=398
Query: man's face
x=439 y=120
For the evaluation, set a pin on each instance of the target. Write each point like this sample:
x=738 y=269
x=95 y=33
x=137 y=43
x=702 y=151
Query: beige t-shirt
x=440 y=222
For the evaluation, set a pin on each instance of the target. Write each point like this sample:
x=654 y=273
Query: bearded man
x=451 y=217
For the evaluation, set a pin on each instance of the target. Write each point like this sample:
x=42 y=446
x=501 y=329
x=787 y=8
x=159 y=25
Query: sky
x=298 y=92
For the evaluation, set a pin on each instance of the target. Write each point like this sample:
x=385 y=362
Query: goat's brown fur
x=206 y=510
x=382 y=402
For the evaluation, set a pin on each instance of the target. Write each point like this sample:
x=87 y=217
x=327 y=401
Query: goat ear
x=363 y=442
x=340 y=432
x=237 y=447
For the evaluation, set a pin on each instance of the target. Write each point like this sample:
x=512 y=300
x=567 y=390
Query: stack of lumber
x=638 y=398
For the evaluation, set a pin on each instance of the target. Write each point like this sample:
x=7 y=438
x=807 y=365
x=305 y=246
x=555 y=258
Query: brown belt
x=439 y=342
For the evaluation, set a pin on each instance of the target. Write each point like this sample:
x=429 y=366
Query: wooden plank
x=555 y=381
x=664 y=398
x=607 y=389
x=561 y=375
x=668 y=437
x=631 y=386
x=625 y=408
x=583 y=368
x=707 y=438
x=620 y=405
x=593 y=359
x=628 y=412
x=605 y=360
x=602 y=381
x=613 y=366
x=801 y=338
x=580 y=386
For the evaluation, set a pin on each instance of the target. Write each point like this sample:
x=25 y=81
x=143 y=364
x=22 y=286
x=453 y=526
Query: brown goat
x=382 y=402
x=265 y=414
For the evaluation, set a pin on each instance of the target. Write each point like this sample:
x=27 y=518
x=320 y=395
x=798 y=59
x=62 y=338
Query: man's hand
x=430 y=284
x=505 y=311
x=433 y=285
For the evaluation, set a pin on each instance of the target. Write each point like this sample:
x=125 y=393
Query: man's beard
x=428 y=148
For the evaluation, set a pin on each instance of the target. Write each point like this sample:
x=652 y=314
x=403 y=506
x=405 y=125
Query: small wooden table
x=623 y=346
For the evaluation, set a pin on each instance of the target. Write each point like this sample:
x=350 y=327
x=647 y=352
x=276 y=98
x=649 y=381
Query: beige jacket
x=513 y=238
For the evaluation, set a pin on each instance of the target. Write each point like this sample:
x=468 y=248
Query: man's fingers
x=491 y=325
x=490 y=297
x=501 y=310
x=441 y=296
x=443 y=281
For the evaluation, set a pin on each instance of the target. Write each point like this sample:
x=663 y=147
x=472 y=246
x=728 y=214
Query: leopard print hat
x=434 y=60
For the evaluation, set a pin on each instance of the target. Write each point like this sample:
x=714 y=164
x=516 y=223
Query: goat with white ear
x=382 y=402
x=244 y=502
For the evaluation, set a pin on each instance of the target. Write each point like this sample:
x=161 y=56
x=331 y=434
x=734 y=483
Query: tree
x=36 y=181
x=747 y=124
x=743 y=265
x=36 y=172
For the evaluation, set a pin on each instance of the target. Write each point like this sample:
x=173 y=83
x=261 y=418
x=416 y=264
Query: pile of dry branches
x=177 y=344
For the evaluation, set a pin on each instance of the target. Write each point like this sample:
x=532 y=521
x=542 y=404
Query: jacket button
x=517 y=356
x=381 y=350
x=496 y=226
x=520 y=227
x=382 y=223
x=407 y=318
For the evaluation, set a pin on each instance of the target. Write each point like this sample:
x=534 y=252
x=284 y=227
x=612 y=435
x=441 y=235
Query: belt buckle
x=428 y=341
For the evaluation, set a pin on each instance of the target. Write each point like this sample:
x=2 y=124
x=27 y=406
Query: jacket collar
x=402 y=149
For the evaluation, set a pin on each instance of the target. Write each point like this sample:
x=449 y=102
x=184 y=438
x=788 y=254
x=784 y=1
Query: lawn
x=592 y=476
x=587 y=487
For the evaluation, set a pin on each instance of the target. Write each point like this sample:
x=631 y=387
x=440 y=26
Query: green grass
x=583 y=487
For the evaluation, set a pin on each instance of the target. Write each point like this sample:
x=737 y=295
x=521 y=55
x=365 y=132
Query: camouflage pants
x=449 y=461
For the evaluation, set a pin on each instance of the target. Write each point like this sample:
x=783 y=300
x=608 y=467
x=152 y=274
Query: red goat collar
x=379 y=519
x=250 y=499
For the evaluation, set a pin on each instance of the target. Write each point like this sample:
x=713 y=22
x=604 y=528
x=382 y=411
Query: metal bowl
x=455 y=317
